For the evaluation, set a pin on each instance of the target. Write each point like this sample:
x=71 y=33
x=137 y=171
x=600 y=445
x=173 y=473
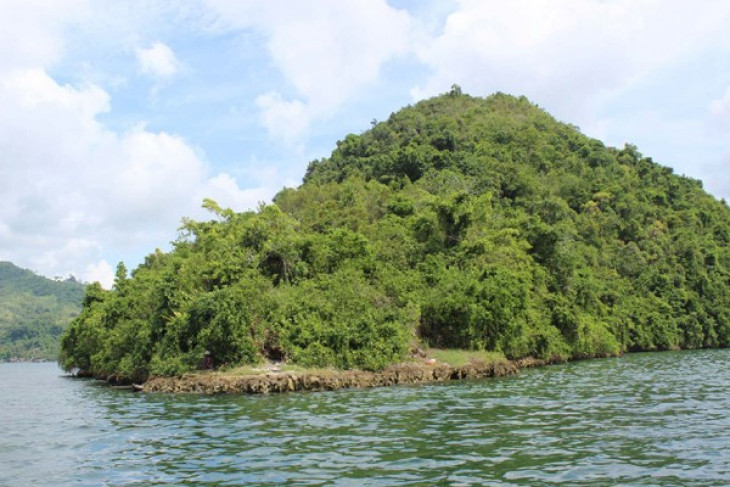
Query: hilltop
x=459 y=222
x=34 y=312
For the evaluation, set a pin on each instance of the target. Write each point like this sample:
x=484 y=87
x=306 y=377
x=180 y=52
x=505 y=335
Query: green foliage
x=481 y=224
x=474 y=308
x=343 y=320
x=34 y=312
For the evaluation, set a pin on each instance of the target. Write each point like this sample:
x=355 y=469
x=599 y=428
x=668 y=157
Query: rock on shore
x=409 y=373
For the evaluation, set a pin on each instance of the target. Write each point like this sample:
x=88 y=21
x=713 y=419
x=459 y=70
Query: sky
x=118 y=117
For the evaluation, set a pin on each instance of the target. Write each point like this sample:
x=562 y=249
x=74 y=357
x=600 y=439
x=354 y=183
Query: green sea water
x=645 y=419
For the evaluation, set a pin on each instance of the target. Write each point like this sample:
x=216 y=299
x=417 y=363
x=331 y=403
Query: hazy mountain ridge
x=34 y=311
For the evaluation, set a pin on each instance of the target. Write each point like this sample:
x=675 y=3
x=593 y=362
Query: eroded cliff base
x=329 y=380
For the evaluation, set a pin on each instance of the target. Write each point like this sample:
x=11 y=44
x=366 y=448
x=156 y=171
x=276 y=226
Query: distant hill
x=34 y=311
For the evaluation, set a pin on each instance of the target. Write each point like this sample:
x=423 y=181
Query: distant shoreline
x=19 y=360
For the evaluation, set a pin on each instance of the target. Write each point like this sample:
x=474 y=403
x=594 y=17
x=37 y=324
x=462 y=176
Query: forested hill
x=458 y=222
x=34 y=311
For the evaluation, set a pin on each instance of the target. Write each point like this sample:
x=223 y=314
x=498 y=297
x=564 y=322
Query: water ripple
x=646 y=419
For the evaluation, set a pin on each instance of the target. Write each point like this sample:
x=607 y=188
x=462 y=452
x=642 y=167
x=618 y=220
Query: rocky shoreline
x=278 y=382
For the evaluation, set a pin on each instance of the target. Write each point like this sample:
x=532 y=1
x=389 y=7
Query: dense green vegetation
x=459 y=222
x=34 y=312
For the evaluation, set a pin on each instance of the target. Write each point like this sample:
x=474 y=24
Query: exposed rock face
x=332 y=380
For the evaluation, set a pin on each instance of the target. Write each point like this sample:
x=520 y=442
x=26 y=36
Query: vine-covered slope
x=458 y=222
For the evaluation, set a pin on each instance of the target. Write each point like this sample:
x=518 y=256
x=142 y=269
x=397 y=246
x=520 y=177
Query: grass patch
x=242 y=370
x=459 y=358
x=450 y=356
x=267 y=368
x=298 y=369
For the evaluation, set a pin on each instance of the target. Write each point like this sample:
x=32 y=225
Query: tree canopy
x=477 y=223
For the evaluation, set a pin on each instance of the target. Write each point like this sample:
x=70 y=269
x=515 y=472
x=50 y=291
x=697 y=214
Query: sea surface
x=645 y=419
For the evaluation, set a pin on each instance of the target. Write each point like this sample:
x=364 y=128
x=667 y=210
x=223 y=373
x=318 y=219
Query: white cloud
x=327 y=51
x=228 y=194
x=100 y=272
x=569 y=55
x=31 y=31
x=157 y=61
x=287 y=120
x=75 y=192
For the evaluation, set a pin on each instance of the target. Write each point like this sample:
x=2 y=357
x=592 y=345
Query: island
x=482 y=226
